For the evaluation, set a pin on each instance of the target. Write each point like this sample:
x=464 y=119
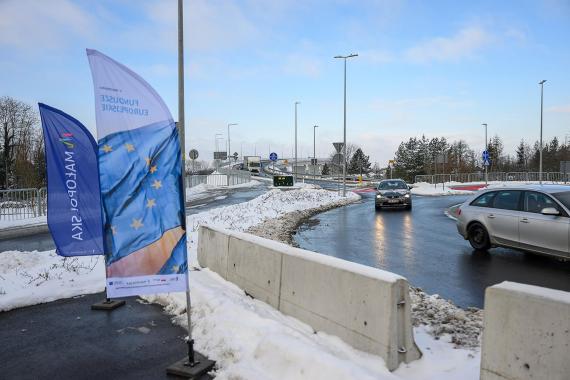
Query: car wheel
x=377 y=207
x=478 y=237
x=409 y=207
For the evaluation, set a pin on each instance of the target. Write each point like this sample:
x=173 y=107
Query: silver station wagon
x=533 y=218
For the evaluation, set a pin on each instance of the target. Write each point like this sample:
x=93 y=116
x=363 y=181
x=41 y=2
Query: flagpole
x=191 y=359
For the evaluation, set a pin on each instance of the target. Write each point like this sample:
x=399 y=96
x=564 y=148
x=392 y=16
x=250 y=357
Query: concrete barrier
x=366 y=307
x=526 y=333
x=22 y=231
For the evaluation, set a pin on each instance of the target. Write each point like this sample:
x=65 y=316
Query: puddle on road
x=308 y=225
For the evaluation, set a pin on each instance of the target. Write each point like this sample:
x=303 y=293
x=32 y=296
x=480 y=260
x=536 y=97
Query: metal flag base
x=193 y=366
x=107 y=305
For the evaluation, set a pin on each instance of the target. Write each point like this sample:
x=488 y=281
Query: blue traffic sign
x=273 y=156
x=486 y=158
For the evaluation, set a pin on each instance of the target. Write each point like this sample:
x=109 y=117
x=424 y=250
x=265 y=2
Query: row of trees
x=436 y=155
x=22 y=153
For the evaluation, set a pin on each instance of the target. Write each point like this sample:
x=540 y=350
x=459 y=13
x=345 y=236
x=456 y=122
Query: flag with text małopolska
x=74 y=202
x=141 y=187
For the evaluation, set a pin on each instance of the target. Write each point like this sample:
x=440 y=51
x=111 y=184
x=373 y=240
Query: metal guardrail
x=494 y=176
x=18 y=204
x=229 y=178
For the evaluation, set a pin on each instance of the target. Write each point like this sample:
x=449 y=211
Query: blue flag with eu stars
x=141 y=185
x=74 y=203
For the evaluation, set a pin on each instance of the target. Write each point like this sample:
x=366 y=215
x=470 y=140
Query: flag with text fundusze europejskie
x=140 y=174
x=74 y=202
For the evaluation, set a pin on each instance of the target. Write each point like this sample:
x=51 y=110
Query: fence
x=494 y=176
x=22 y=203
x=228 y=178
x=16 y=204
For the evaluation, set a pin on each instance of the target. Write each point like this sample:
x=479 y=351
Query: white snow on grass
x=29 y=278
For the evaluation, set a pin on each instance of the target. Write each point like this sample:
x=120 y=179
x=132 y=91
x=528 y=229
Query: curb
x=21 y=231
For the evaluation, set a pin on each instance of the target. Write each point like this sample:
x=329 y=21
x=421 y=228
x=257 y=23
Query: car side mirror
x=550 y=211
x=409 y=187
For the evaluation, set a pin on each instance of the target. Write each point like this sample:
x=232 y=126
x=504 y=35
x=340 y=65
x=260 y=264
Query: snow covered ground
x=202 y=190
x=424 y=188
x=247 y=338
x=10 y=223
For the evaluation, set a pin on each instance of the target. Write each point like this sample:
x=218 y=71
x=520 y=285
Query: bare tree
x=18 y=138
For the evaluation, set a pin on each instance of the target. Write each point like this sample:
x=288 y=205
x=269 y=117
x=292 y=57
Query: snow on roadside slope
x=29 y=278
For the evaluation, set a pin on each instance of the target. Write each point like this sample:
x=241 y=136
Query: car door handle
x=524 y=220
x=491 y=216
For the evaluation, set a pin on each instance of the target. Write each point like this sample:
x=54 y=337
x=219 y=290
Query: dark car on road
x=393 y=193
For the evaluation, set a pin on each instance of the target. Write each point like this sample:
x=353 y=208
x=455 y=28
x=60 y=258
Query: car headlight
x=379 y=196
x=407 y=196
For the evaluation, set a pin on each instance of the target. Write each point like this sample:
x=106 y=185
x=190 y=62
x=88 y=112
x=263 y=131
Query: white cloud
x=29 y=24
x=302 y=65
x=561 y=109
x=464 y=44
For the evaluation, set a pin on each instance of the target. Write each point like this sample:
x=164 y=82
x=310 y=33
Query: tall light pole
x=295 y=168
x=314 y=150
x=345 y=57
x=229 y=146
x=486 y=150
x=541 y=83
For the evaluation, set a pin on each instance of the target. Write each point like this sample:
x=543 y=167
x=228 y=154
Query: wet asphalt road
x=423 y=245
x=66 y=340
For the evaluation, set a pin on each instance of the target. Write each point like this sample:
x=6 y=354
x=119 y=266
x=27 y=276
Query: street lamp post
x=486 y=150
x=345 y=57
x=295 y=168
x=314 y=150
x=541 y=83
x=229 y=146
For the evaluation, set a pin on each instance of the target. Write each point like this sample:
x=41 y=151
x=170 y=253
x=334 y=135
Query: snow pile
x=29 y=278
x=443 y=318
x=424 y=188
x=273 y=204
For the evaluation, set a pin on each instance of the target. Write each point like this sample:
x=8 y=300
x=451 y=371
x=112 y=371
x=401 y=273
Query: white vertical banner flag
x=141 y=186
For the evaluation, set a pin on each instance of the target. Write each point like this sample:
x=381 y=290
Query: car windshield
x=392 y=185
x=564 y=198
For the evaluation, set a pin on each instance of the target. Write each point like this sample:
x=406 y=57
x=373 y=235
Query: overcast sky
x=439 y=68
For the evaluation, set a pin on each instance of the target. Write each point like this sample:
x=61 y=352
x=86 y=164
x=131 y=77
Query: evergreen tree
x=359 y=163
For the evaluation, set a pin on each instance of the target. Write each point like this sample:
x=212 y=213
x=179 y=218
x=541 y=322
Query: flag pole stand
x=108 y=304
x=195 y=364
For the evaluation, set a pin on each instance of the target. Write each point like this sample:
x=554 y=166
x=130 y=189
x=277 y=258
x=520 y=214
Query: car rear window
x=507 y=200
x=484 y=200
